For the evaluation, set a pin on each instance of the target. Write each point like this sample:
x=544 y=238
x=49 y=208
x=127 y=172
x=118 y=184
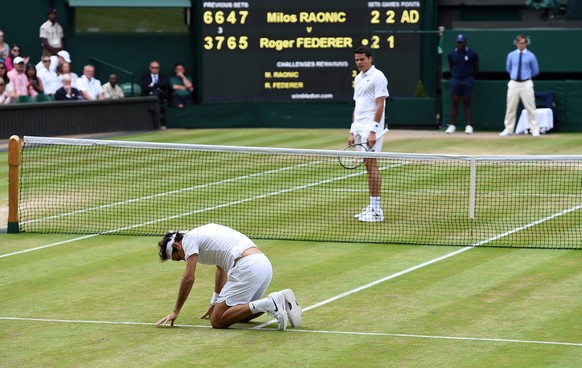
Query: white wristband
x=214 y=299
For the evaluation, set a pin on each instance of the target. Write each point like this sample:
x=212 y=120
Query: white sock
x=258 y=306
x=375 y=203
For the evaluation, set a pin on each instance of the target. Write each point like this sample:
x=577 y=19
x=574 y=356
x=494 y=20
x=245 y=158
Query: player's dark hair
x=164 y=242
x=364 y=50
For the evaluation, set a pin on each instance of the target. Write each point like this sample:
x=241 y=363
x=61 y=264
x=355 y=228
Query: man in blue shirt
x=464 y=65
x=522 y=66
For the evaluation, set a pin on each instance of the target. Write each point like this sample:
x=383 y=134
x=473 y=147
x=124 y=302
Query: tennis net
x=84 y=186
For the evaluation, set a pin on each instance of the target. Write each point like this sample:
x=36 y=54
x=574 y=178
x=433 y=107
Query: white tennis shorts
x=247 y=280
x=361 y=133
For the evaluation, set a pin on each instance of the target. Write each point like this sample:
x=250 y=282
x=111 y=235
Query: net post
x=14 y=157
x=472 y=187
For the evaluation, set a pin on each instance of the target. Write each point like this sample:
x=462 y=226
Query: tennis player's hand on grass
x=169 y=318
x=208 y=313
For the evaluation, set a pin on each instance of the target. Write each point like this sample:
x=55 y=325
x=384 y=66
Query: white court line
x=249 y=199
x=161 y=195
x=239 y=201
x=414 y=268
x=201 y=186
x=47 y=246
x=164 y=194
x=355 y=333
x=458 y=192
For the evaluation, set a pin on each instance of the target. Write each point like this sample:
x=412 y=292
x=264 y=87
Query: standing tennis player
x=243 y=273
x=370 y=92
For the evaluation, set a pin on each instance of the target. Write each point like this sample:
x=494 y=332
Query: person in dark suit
x=67 y=92
x=155 y=83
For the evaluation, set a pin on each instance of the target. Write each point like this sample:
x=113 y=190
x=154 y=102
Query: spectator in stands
x=522 y=66
x=6 y=97
x=182 y=87
x=14 y=53
x=65 y=69
x=55 y=61
x=51 y=36
x=4 y=73
x=155 y=83
x=34 y=81
x=89 y=87
x=111 y=89
x=8 y=87
x=464 y=66
x=4 y=47
x=67 y=92
x=19 y=80
x=50 y=80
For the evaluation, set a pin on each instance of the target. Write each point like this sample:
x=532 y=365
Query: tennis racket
x=353 y=162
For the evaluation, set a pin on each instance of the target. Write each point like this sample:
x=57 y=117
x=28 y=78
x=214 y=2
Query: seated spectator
x=34 y=81
x=6 y=97
x=56 y=61
x=65 y=69
x=50 y=80
x=155 y=83
x=19 y=80
x=4 y=47
x=182 y=87
x=111 y=89
x=67 y=92
x=89 y=87
x=8 y=87
x=4 y=73
x=14 y=53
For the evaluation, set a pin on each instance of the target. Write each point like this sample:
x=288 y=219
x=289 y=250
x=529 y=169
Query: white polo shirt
x=93 y=86
x=216 y=245
x=367 y=87
x=50 y=81
x=52 y=32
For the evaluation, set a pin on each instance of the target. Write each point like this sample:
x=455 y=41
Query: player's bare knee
x=218 y=324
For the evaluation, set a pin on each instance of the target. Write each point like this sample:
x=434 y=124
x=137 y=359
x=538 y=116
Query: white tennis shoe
x=451 y=129
x=294 y=312
x=535 y=132
x=468 y=129
x=372 y=216
x=277 y=309
x=505 y=133
x=364 y=211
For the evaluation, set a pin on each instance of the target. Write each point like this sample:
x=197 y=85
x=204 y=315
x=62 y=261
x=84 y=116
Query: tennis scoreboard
x=303 y=50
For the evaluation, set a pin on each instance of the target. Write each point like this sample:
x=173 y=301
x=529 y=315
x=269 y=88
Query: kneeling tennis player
x=243 y=273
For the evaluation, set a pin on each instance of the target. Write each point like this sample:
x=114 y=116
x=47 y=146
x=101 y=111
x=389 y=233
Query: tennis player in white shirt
x=370 y=92
x=243 y=273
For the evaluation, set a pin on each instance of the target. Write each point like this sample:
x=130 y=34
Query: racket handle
x=381 y=134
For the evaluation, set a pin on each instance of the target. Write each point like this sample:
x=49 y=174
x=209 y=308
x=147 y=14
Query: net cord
x=295 y=151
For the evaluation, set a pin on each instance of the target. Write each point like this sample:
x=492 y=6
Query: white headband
x=169 y=249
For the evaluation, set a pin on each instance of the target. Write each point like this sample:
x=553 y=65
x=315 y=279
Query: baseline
x=355 y=333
